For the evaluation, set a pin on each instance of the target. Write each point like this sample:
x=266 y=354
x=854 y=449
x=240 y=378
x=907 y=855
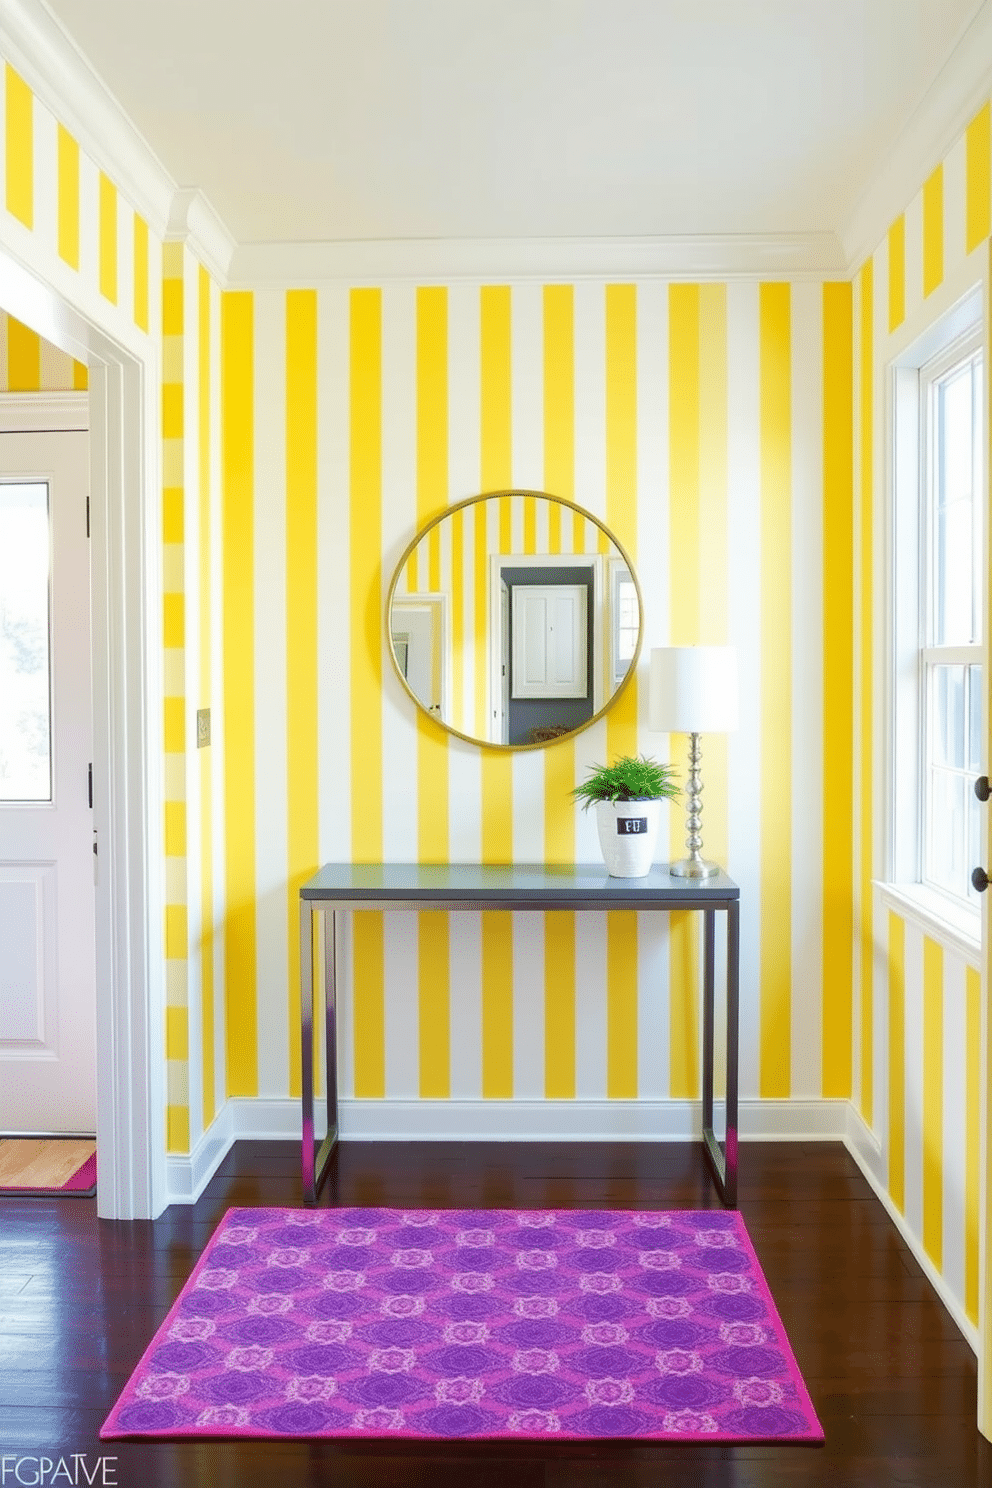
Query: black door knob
x=982 y=788
x=980 y=879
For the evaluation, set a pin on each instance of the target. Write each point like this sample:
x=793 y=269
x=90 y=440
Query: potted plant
x=628 y=796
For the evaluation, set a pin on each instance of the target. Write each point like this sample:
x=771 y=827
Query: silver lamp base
x=694 y=865
x=693 y=868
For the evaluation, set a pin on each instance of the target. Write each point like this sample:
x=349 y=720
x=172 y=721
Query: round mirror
x=514 y=618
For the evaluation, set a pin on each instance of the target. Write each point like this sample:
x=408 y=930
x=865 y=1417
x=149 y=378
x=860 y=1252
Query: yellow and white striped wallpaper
x=191 y=524
x=693 y=420
x=67 y=218
x=917 y=1022
x=30 y=364
x=732 y=436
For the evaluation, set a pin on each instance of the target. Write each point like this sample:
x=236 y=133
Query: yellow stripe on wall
x=19 y=153
x=978 y=181
x=238 y=478
x=683 y=630
x=497 y=474
x=897 y=273
x=775 y=397
x=897 y=1062
x=140 y=272
x=496 y=468
x=23 y=358
x=68 y=198
x=972 y=1153
x=108 y=239
x=432 y=498
x=302 y=851
x=176 y=1033
x=838 y=689
x=207 y=1031
x=434 y=1023
x=865 y=734
x=365 y=528
x=933 y=1101
x=621 y=721
x=177 y=1128
x=933 y=231
x=366 y=547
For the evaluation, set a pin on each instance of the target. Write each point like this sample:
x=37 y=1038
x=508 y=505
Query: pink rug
x=472 y=1323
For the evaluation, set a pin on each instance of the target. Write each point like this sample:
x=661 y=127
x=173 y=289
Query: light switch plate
x=202 y=727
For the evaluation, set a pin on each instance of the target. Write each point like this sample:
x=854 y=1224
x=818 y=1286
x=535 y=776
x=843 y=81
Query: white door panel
x=47 y=991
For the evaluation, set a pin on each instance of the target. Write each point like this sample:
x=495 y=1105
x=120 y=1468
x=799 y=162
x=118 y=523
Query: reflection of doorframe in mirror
x=432 y=668
x=496 y=700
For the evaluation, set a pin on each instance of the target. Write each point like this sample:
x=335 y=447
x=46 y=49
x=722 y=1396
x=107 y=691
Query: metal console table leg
x=316 y=1162
x=723 y=1162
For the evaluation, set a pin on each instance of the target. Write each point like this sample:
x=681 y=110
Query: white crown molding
x=29 y=413
x=43 y=52
x=443 y=260
x=958 y=92
x=194 y=221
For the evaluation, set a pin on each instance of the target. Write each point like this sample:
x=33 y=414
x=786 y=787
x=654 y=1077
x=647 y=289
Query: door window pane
x=25 y=667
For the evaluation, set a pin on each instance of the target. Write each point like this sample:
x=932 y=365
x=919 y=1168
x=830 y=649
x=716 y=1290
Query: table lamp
x=693 y=691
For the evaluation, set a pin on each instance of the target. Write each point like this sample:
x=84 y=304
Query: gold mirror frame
x=443 y=516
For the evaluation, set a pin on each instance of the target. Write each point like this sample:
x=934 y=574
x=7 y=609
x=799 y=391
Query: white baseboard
x=496 y=1121
x=866 y=1150
x=187 y=1177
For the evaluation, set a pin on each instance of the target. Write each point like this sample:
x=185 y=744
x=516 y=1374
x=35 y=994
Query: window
x=936 y=694
x=950 y=660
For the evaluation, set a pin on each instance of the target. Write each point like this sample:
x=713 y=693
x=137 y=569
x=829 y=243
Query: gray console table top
x=514 y=886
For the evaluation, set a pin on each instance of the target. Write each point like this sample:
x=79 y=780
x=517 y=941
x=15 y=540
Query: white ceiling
x=330 y=120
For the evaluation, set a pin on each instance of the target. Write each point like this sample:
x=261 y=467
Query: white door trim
x=125 y=557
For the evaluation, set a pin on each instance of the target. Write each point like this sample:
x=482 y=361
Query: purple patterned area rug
x=484 y=1323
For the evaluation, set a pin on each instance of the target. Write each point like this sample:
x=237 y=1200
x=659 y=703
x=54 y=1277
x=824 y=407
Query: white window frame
x=964 y=350
x=958 y=334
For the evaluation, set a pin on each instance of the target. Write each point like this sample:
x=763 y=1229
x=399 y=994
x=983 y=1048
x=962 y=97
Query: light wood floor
x=42 y=1162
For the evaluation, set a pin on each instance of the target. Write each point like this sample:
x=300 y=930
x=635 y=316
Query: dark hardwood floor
x=892 y=1380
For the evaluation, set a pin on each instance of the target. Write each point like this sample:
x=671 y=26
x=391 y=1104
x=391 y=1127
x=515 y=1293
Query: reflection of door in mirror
x=549 y=644
x=418 y=629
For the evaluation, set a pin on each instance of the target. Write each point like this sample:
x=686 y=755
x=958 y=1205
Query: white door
x=47 y=979
x=550 y=644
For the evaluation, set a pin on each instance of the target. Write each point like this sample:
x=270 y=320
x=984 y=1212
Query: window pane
x=947 y=726
x=975 y=718
x=954 y=560
x=25 y=690
x=948 y=821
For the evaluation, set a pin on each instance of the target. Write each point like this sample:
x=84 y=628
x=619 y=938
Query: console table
x=344 y=888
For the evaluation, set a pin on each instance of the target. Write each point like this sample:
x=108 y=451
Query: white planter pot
x=628 y=831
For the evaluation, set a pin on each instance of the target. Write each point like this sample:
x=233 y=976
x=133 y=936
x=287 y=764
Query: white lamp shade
x=694 y=689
